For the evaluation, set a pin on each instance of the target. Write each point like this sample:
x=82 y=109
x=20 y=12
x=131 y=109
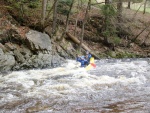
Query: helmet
x=82 y=57
x=87 y=52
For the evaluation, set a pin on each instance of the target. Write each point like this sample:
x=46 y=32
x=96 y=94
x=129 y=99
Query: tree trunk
x=106 y=18
x=145 y=39
x=67 y=21
x=106 y=2
x=144 y=7
x=129 y=5
x=54 y=17
x=83 y=24
x=22 y=10
x=49 y=12
x=44 y=3
x=119 y=10
x=68 y=15
x=74 y=39
x=90 y=5
x=77 y=19
x=136 y=12
x=75 y=30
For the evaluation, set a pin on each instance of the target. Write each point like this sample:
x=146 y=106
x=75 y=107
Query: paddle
x=91 y=65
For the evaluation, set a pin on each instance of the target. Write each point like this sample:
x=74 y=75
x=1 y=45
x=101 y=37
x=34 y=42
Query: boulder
x=7 y=61
x=38 y=41
x=33 y=52
x=22 y=48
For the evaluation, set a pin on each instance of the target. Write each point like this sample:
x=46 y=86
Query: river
x=114 y=86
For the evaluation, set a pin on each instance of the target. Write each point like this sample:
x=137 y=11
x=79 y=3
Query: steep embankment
x=23 y=48
x=130 y=38
x=133 y=33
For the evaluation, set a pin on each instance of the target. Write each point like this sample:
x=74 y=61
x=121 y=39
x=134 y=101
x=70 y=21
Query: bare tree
x=44 y=4
x=22 y=10
x=137 y=11
x=144 y=6
x=119 y=11
x=77 y=18
x=107 y=2
x=147 y=36
x=67 y=20
x=54 y=16
x=49 y=12
x=83 y=24
x=106 y=19
x=129 y=5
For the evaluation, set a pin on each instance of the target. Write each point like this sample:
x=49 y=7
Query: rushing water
x=114 y=86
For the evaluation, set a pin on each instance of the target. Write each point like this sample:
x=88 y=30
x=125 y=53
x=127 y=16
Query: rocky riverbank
x=23 y=48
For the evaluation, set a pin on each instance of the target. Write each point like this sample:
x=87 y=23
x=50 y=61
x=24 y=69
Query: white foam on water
x=70 y=78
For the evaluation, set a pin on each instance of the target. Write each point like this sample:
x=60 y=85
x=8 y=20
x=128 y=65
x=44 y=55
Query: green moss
x=126 y=55
x=114 y=54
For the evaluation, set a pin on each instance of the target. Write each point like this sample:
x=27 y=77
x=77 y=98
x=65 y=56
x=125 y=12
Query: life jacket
x=88 y=57
x=82 y=60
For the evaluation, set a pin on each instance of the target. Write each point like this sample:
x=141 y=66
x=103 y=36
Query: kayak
x=91 y=65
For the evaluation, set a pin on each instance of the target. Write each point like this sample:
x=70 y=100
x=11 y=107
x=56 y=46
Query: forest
x=106 y=28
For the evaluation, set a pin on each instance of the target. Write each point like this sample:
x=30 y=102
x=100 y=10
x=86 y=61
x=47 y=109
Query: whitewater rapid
x=114 y=86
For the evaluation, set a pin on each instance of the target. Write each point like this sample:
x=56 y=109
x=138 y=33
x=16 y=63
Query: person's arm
x=90 y=56
x=78 y=58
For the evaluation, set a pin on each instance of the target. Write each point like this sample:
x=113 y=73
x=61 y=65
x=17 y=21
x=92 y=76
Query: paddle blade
x=88 y=67
x=92 y=60
x=93 y=65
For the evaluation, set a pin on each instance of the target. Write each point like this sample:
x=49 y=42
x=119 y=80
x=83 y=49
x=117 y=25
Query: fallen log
x=74 y=39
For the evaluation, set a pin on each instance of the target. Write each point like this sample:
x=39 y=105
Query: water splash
x=70 y=88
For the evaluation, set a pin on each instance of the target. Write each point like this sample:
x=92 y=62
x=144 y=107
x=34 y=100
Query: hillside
x=132 y=27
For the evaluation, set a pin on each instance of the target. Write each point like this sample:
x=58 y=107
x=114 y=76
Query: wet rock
x=7 y=61
x=19 y=56
x=33 y=52
x=22 y=48
x=38 y=41
x=56 y=60
x=10 y=46
x=1 y=52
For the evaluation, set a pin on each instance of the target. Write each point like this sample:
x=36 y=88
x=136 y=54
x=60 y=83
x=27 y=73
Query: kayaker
x=82 y=60
x=88 y=56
